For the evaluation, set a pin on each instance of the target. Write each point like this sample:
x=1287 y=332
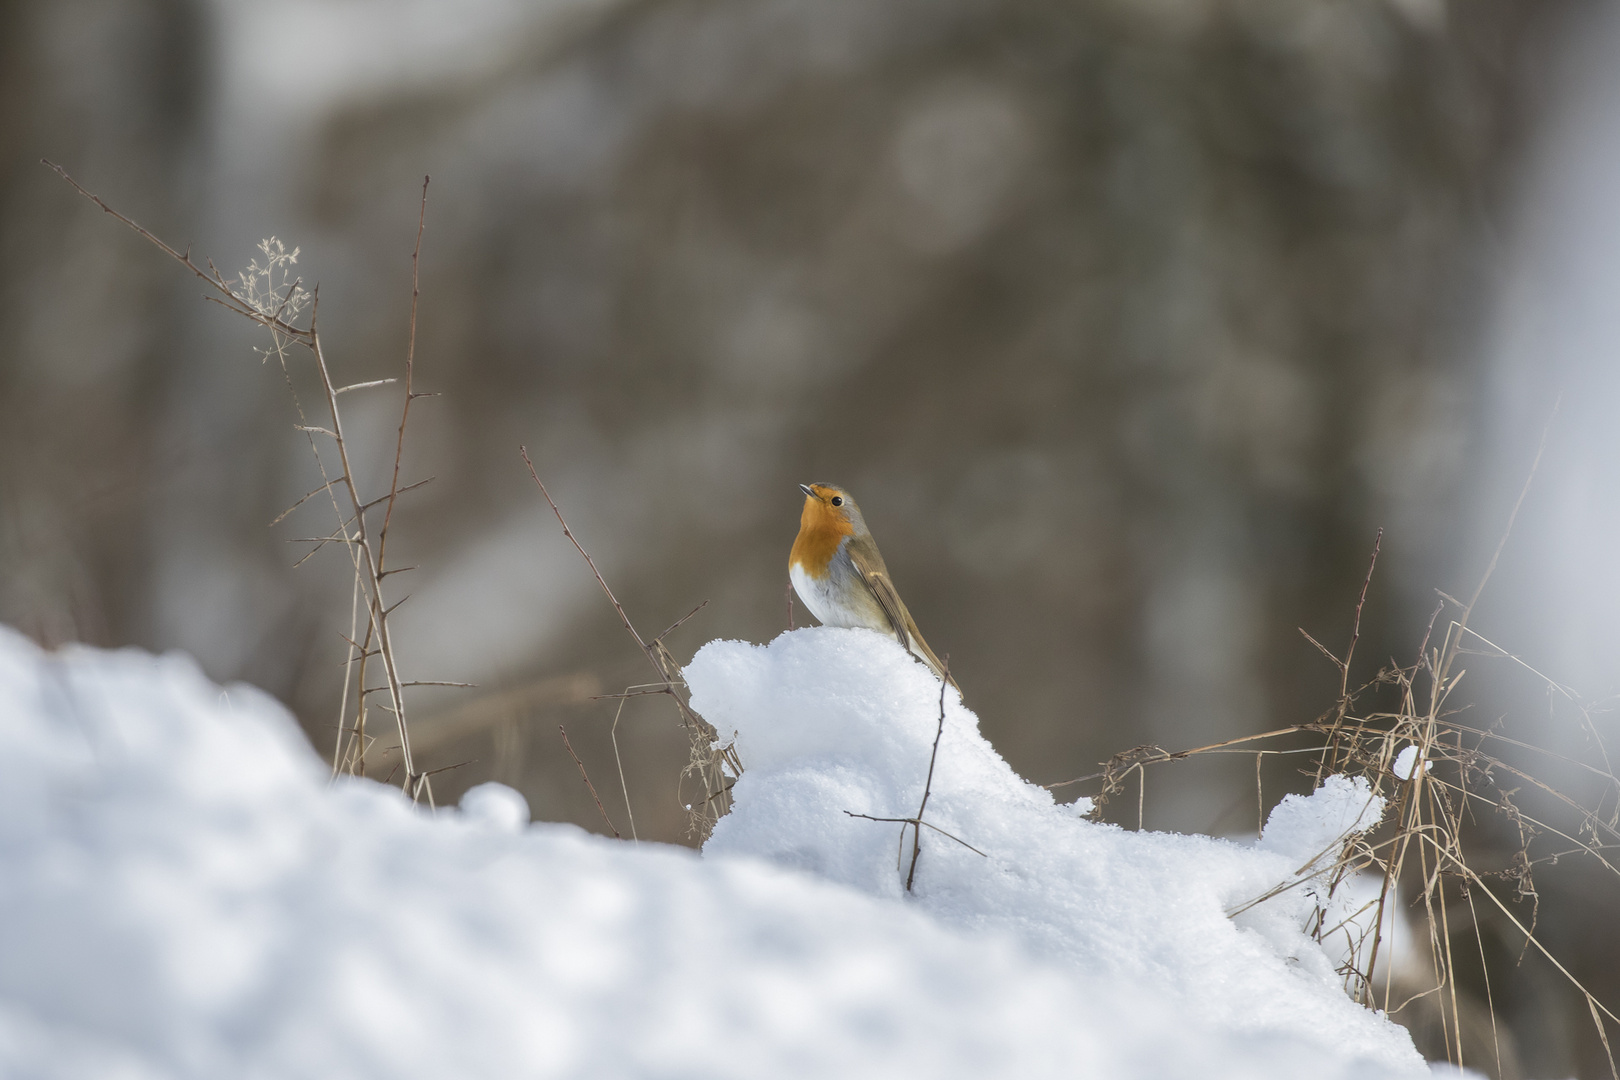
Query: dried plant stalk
x=276 y=308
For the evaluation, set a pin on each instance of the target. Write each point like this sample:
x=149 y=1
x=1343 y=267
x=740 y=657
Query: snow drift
x=831 y=723
x=185 y=894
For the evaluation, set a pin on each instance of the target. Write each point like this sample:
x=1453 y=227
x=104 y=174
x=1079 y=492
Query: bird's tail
x=920 y=648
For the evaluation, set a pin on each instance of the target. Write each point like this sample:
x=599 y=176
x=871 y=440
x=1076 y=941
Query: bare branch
x=398 y=492
x=928 y=785
x=659 y=663
x=678 y=623
x=1355 y=632
x=410 y=371
x=324 y=487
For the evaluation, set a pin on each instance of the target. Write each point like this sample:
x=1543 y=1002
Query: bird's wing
x=869 y=564
x=863 y=554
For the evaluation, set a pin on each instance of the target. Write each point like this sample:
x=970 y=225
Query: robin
x=837 y=571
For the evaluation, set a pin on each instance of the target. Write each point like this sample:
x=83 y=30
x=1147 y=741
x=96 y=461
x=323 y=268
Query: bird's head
x=829 y=507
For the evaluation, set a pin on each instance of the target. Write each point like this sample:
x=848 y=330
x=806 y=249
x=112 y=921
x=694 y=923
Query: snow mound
x=1311 y=829
x=833 y=722
x=186 y=895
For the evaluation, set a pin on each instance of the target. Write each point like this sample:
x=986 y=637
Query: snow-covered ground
x=184 y=893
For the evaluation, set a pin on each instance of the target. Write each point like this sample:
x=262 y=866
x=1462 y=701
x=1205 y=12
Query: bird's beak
x=806 y=489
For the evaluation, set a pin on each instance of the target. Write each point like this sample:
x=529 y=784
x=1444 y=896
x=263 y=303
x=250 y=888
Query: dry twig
x=916 y=822
x=709 y=761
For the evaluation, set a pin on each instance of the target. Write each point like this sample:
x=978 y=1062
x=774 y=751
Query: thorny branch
x=368 y=555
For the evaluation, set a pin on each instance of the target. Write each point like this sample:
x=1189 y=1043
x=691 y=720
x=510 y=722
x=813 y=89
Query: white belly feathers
x=817 y=595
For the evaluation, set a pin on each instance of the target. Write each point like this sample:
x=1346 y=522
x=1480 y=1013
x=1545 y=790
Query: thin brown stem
x=653 y=657
x=583 y=775
x=613 y=734
x=410 y=371
x=928 y=784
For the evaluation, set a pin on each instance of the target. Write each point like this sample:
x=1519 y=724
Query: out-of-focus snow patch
x=496 y=806
x=832 y=722
x=1442 y=1070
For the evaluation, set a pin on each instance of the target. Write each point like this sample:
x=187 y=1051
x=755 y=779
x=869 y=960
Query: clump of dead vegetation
x=1407 y=731
x=269 y=294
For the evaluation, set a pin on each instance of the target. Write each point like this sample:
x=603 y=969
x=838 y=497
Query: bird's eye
x=838 y=500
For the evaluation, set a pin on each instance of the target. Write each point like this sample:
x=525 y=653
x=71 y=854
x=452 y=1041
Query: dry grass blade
x=613 y=733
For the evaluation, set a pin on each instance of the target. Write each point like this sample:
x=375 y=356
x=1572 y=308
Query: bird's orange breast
x=821 y=530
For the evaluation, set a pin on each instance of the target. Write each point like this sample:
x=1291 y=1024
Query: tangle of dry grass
x=1423 y=854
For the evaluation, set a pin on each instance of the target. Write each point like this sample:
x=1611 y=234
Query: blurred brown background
x=1128 y=321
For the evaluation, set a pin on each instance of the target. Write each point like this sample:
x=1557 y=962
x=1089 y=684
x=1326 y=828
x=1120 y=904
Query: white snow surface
x=1405 y=764
x=832 y=722
x=184 y=893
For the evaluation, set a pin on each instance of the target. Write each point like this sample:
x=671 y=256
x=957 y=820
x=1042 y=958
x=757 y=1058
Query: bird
x=838 y=573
